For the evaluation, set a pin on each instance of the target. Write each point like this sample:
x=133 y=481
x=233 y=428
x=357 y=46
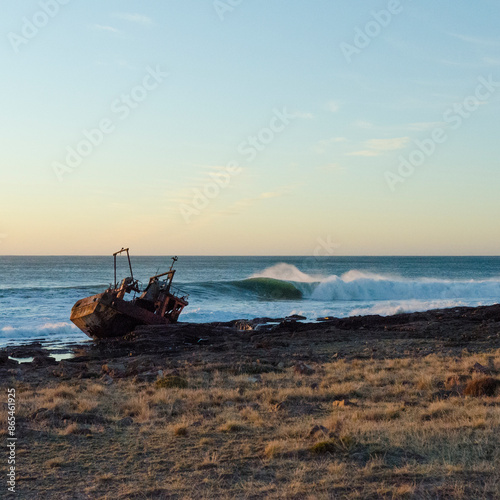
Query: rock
x=296 y=317
x=114 y=370
x=43 y=361
x=39 y=414
x=318 y=429
x=254 y=379
x=146 y=377
x=87 y=418
x=266 y=320
x=4 y=374
x=87 y=371
x=281 y=365
x=27 y=351
x=125 y=422
x=264 y=327
x=314 y=386
x=6 y=362
x=139 y=365
x=303 y=369
x=480 y=369
x=243 y=325
x=67 y=370
x=106 y=380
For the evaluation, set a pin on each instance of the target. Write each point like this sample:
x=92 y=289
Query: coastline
x=365 y=406
x=446 y=325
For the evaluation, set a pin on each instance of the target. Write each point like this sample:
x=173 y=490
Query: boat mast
x=129 y=263
x=174 y=260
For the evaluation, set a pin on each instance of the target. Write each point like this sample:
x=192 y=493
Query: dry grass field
x=359 y=428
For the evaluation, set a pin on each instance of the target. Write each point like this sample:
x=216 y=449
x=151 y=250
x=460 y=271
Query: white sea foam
x=391 y=308
x=45 y=330
x=363 y=286
x=286 y=272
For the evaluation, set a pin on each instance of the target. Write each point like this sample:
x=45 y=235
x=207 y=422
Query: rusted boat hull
x=106 y=316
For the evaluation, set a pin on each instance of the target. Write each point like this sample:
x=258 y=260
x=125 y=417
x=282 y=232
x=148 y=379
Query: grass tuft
x=180 y=430
x=54 y=462
x=334 y=445
x=486 y=386
x=171 y=382
x=231 y=426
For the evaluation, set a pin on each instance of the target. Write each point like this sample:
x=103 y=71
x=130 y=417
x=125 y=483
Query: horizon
x=266 y=256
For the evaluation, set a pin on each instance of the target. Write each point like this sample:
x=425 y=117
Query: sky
x=238 y=127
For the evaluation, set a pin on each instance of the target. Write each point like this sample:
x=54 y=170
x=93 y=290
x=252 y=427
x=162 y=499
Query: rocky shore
x=269 y=340
x=371 y=407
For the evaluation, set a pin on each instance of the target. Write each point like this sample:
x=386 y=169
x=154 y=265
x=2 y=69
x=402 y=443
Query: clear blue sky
x=334 y=94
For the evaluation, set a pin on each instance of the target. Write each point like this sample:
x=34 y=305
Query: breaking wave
x=46 y=330
x=270 y=288
x=37 y=288
x=356 y=285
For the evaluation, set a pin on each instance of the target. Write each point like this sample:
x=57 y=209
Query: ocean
x=37 y=293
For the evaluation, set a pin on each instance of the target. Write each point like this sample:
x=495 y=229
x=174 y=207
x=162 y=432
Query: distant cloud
x=122 y=63
x=134 y=18
x=364 y=152
x=377 y=147
x=301 y=114
x=491 y=61
x=245 y=203
x=475 y=40
x=321 y=146
x=331 y=167
x=388 y=144
x=207 y=174
x=270 y=194
x=460 y=64
x=282 y=191
x=420 y=126
x=333 y=106
x=101 y=27
x=363 y=124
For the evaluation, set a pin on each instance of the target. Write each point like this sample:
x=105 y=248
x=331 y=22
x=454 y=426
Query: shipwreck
x=119 y=309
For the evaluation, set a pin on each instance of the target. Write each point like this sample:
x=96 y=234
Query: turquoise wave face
x=269 y=288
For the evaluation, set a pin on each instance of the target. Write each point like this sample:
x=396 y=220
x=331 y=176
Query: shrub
x=231 y=426
x=171 y=382
x=180 y=430
x=334 y=445
x=486 y=386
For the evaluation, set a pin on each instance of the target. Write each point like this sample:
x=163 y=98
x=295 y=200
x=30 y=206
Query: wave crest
x=270 y=288
x=47 y=329
x=357 y=285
